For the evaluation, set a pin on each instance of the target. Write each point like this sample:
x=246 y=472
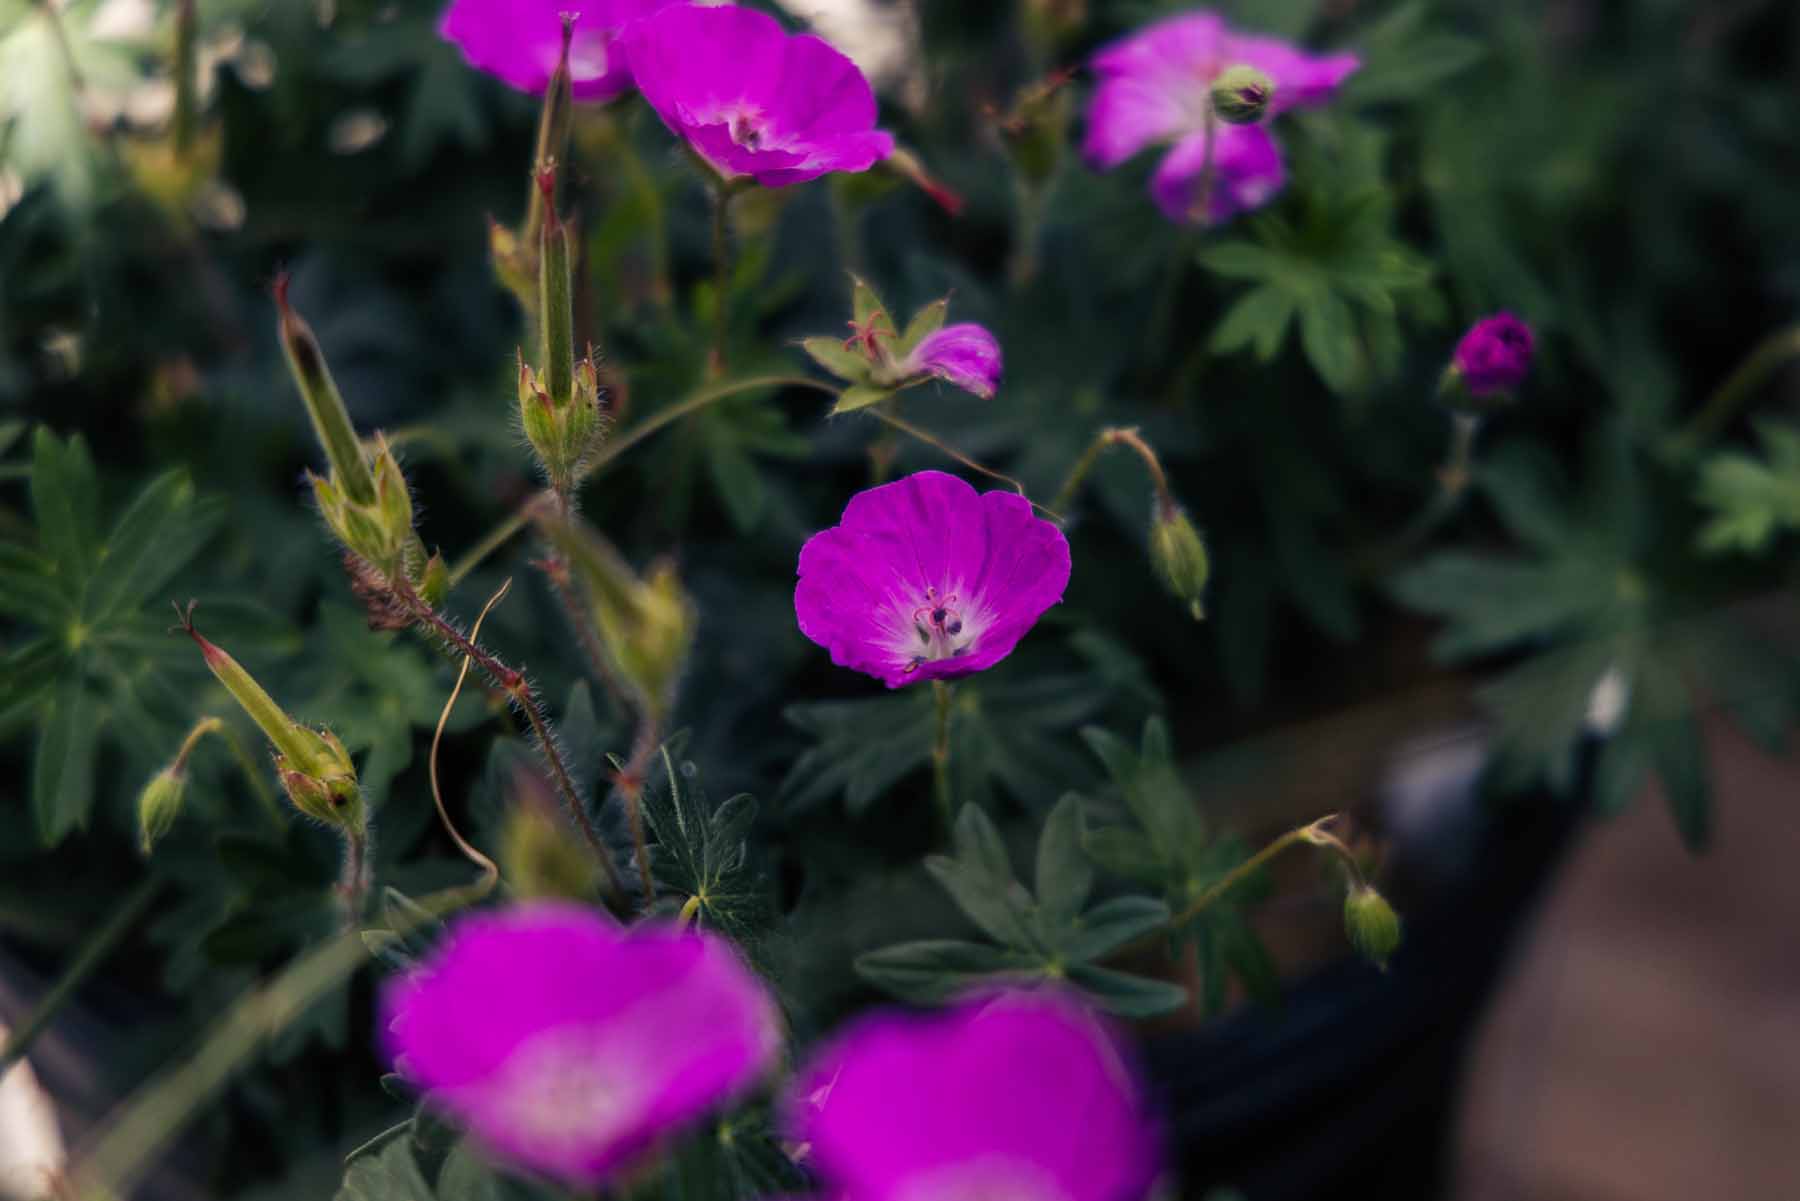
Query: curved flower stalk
x=878 y=359
x=927 y=579
x=1017 y=1096
x=571 y=1045
x=520 y=41
x=752 y=100
x=1156 y=87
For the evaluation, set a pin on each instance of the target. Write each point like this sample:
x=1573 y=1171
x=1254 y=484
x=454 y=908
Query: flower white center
x=941 y=625
x=565 y=1092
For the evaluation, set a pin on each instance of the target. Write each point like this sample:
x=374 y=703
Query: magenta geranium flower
x=752 y=99
x=925 y=578
x=570 y=1044
x=965 y=355
x=520 y=41
x=1494 y=355
x=1155 y=87
x=1020 y=1096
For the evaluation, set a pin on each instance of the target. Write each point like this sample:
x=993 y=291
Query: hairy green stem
x=514 y=684
x=1113 y=435
x=932 y=440
x=942 y=695
x=1742 y=384
x=90 y=955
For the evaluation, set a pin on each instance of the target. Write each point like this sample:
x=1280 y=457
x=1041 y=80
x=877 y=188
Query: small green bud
x=1179 y=556
x=646 y=626
x=1241 y=95
x=159 y=805
x=539 y=856
x=1372 y=924
x=434 y=581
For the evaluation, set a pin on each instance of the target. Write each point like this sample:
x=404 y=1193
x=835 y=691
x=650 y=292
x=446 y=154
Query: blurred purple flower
x=570 y=1044
x=925 y=578
x=1155 y=87
x=1494 y=355
x=966 y=355
x=752 y=99
x=1015 y=1097
x=519 y=41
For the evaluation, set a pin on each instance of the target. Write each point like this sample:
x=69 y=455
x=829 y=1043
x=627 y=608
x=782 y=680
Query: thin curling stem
x=203 y=727
x=518 y=688
x=1313 y=833
x=1127 y=436
x=490 y=872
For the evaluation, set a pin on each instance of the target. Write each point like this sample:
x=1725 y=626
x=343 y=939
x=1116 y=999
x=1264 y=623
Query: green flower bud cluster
x=559 y=404
x=313 y=766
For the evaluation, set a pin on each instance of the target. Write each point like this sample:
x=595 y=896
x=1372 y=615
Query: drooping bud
x=159 y=804
x=324 y=404
x=1179 y=556
x=313 y=766
x=1491 y=360
x=1372 y=924
x=1241 y=94
x=645 y=626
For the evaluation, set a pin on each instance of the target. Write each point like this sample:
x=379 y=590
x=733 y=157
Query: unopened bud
x=1372 y=924
x=646 y=626
x=1035 y=129
x=324 y=404
x=159 y=804
x=539 y=856
x=313 y=766
x=1491 y=360
x=1241 y=95
x=1179 y=556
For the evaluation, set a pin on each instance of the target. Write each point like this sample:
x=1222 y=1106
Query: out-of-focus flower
x=571 y=1045
x=752 y=99
x=1156 y=87
x=925 y=578
x=1016 y=1097
x=1494 y=356
x=519 y=41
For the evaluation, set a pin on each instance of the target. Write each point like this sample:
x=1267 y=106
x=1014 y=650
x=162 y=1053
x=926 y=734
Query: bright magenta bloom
x=570 y=1044
x=1155 y=87
x=1494 y=355
x=1015 y=1097
x=752 y=99
x=519 y=41
x=925 y=578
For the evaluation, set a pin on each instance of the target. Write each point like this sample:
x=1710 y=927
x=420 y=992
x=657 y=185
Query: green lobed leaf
x=1064 y=875
x=1126 y=995
x=1111 y=924
x=62 y=769
x=933 y=970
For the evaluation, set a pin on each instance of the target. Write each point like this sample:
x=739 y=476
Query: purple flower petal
x=966 y=355
x=1247 y=174
x=569 y=1044
x=753 y=99
x=519 y=41
x=1022 y=1096
x=1495 y=354
x=925 y=578
x=1153 y=85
